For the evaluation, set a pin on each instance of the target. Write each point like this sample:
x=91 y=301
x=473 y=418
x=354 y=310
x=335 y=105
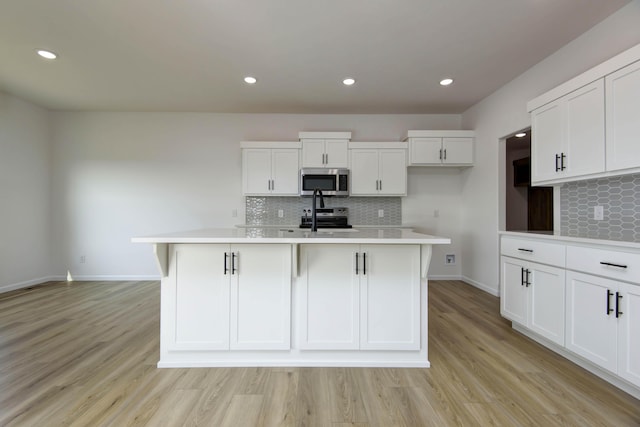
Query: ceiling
x=192 y=55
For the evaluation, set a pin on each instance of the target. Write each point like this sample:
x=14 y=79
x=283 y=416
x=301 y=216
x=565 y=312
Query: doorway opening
x=527 y=208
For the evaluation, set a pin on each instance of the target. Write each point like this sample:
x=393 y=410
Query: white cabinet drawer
x=602 y=262
x=534 y=250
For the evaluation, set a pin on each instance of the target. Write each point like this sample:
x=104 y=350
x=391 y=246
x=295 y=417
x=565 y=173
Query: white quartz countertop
x=295 y=235
x=560 y=237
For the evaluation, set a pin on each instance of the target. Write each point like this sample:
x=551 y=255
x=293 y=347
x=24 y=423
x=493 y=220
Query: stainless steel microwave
x=332 y=182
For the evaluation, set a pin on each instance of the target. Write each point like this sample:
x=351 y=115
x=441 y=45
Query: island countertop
x=296 y=236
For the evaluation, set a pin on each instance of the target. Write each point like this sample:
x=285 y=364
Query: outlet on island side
x=83 y=259
x=280 y=213
x=380 y=213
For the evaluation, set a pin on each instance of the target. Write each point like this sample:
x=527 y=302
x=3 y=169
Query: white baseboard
x=482 y=286
x=27 y=283
x=101 y=278
x=112 y=278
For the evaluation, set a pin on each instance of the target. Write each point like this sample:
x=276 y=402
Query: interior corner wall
x=504 y=112
x=123 y=174
x=25 y=226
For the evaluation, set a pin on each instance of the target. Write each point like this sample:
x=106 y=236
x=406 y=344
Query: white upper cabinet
x=377 y=169
x=623 y=118
x=586 y=127
x=568 y=136
x=270 y=171
x=440 y=148
x=325 y=149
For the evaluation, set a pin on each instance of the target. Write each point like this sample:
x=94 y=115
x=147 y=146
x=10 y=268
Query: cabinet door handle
x=376 y=185
x=357 y=262
x=233 y=263
x=526 y=250
x=380 y=185
x=521 y=276
x=610 y=264
x=226 y=269
x=273 y=184
x=364 y=263
x=527 y=282
x=562 y=157
x=618 y=298
x=445 y=154
x=441 y=154
x=327 y=157
x=609 y=295
x=557 y=158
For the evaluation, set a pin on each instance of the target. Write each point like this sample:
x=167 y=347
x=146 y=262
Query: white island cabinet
x=277 y=297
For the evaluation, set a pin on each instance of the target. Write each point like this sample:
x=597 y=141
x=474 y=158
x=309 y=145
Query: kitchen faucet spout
x=314 y=217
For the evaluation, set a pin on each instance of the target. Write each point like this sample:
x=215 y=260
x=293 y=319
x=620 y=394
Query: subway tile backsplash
x=362 y=210
x=620 y=198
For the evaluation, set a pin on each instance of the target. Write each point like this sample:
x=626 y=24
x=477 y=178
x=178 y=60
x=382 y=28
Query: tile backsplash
x=362 y=210
x=620 y=198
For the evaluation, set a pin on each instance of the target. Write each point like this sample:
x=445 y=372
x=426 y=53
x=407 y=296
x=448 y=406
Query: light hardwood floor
x=84 y=354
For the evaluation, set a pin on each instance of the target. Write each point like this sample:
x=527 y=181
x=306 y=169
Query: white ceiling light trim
x=446 y=82
x=250 y=80
x=47 y=54
x=349 y=81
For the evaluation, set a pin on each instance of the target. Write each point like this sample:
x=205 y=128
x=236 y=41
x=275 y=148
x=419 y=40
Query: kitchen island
x=291 y=297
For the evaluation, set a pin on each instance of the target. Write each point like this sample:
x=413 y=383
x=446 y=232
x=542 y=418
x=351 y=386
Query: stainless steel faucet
x=314 y=218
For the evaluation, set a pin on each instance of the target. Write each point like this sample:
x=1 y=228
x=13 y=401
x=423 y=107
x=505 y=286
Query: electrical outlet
x=598 y=213
x=450 y=259
x=83 y=259
x=380 y=213
x=280 y=213
x=234 y=213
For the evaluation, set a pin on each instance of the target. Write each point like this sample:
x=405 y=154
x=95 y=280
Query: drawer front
x=534 y=250
x=603 y=262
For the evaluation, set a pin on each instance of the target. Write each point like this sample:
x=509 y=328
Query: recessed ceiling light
x=47 y=54
x=349 y=81
x=250 y=80
x=521 y=135
x=446 y=82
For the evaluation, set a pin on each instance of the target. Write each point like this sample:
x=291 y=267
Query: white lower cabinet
x=390 y=297
x=592 y=289
x=533 y=295
x=591 y=321
x=629 y=334
x=603 y=323
x=363 y=297
x=226 y=297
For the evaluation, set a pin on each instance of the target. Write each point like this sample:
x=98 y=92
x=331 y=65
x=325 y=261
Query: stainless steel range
x=327 y=218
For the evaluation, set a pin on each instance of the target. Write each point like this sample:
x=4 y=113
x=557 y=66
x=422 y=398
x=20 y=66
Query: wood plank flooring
x=84 y=354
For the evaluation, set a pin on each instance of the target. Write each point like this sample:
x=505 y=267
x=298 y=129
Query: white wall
x=118 y=175
x=505 y=112
x=24 y=193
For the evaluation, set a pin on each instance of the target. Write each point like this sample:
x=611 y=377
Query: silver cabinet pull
x=526 y=250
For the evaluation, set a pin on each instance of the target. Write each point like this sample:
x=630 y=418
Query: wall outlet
x=234 y=213
x=280 y=213
x=598 y=213
x=83 y=259
x=380 y=213
x=450 y=259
